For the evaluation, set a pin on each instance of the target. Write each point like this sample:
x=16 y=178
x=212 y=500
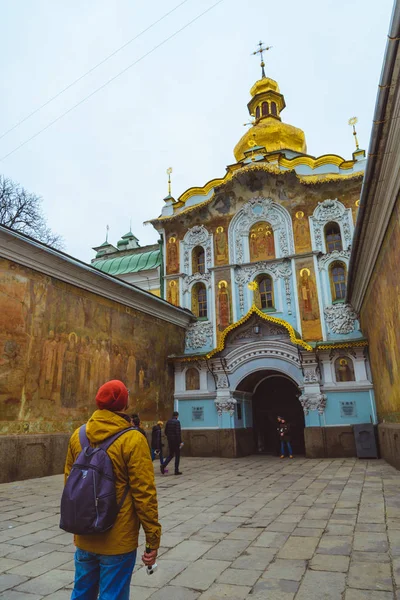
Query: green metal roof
x=131 y=263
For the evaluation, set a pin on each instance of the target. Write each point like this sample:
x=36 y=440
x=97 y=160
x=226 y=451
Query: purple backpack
x=89 y=502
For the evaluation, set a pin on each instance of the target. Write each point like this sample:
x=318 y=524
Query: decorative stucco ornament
x=187 y=280
x=325 y=212
x=278 y=270
x=199 y=335
x=222 y=381
x=228 y=407
x=313 y=402
x=311 y=376
x=332 y=256
x=255 y=210
x=340 y=318
x=196 y=236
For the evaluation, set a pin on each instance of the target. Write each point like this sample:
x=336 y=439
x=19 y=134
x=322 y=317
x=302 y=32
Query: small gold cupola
x=267 y=129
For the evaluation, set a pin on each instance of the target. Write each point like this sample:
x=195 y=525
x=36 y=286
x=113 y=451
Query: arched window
x=338 y=280
x=273 y=109
x=265 y=108
x=199 y=300
x=198 y=260
x=266 y=291
x=344 y=369
x=257 y=112
x=333 y=238
x=192 y=379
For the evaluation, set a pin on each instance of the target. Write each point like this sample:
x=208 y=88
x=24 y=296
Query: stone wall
x=330 y=442
x=228 y=443
x=389 y=443
x=61 y=340
x=380 y=322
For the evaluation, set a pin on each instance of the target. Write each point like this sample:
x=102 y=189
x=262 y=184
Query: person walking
x=284 y=437
x=156 y=441
x=104 y=562
x=174 y=437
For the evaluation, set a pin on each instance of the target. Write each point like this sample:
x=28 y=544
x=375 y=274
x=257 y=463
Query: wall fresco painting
x=261 y=242
x=301 y=231
x=58 y=344
x=172 y=254
x=173 y=291
x=380 y=322
x=220 y=246
x=308 y=300
x=223 y=301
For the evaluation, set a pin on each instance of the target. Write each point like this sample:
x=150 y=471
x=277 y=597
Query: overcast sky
x=183 y=106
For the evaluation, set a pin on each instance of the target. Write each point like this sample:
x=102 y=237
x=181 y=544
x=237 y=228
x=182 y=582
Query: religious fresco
x=173 y=291
x=221 y=252
x=344 y=369
x=59 y=343
x=380 y=322
x=308 y=300
x=223 y=300
x=172 y=249
x=261 y=242
x=301 y=232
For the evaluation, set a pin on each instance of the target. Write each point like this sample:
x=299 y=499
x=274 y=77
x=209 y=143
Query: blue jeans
x=283 y=448
x=101 y=576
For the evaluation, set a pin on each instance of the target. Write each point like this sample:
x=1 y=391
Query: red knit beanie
x=112 y=395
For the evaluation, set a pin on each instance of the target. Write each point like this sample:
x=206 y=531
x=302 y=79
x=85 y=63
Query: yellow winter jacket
x=131 y=461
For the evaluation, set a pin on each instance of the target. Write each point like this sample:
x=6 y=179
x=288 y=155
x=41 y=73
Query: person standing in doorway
x=284 y=437
x=174 y=437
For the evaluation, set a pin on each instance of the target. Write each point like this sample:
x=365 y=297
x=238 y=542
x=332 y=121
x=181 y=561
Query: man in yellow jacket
x=104 y=562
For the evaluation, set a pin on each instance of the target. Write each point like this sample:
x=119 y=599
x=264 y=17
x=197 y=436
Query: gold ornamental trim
x=254 y=310
x=350 y=344
x=314 y=179
x=267 y=167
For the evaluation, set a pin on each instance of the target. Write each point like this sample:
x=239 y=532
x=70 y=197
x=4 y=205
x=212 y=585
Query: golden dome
x=268 y=130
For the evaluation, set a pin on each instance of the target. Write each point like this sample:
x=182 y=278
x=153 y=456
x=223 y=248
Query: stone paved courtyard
x=256 y=527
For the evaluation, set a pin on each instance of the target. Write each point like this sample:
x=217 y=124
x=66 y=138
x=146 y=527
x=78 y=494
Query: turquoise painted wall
x=363 y=405
x=210 y=416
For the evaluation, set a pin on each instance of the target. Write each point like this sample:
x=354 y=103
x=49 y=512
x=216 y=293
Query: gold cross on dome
x=169 y=171
x=260 y=51
x=352 y=122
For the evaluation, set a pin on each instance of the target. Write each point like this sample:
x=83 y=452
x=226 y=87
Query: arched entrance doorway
x=274 y=394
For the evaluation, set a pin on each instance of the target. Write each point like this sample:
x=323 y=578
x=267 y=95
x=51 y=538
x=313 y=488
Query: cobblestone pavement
x=256 y=527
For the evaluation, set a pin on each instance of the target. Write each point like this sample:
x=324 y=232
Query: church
x=260 y=257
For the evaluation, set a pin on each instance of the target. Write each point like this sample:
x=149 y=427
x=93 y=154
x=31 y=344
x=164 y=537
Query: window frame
x=337 y=244
x=341 y=283
x=265 y=294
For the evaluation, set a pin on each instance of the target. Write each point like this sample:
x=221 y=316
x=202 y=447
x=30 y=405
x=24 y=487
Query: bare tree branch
x=22 y=211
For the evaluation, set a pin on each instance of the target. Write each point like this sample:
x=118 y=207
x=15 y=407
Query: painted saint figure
x=344 y=370
x=173 y=293
x=223 y=306
x=141 y=379
x=172 y=255
x=308 y=296
x=48 y=366
x=220 y=245
x=70 y=374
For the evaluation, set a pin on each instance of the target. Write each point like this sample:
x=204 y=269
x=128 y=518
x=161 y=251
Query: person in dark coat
x=135 y=420
x=156 y=442
x=174 y=437
x=284 y=436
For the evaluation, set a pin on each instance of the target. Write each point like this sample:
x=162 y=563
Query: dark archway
x=274 y=394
